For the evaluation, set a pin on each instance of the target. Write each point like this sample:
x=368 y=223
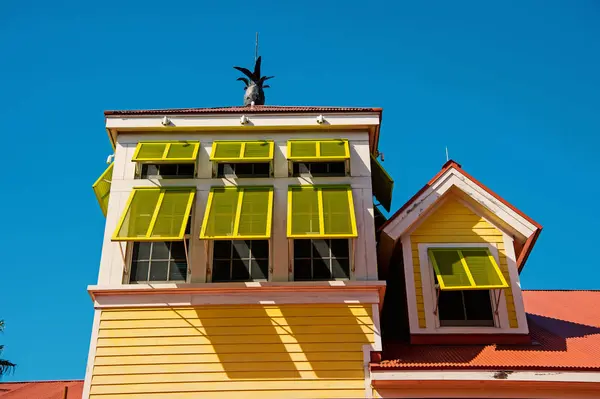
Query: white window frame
x=501 y=322
x=351 y=254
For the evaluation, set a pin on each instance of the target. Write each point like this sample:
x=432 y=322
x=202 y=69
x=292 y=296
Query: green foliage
x=5 y=366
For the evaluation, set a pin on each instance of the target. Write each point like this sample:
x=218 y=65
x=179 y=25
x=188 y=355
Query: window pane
x=139 y=271
x=160 y=250
x=478 y=305
x=168 y=170
x=177 y=250
x=243 y=170
x=158 y=270
x=221 y=249
x=260 y=269
x=300 y=168
x=241 y=249
x=318 y=168
x=260 y=249
x=240 y=270
x=186 y=170
x=336 y=169
x=141 y=251
x=262 y=169
x=450 y=307
x=302 y=248
x=149 y=171
x=178 y=271
x=221 y=270
x=321 y=269
x=302 y=270
x=320 y=248
x=340 y=248
x=340 y=268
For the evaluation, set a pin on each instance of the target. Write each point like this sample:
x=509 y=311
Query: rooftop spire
x=253 y=81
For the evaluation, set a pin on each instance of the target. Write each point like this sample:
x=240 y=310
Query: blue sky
x=511 y=87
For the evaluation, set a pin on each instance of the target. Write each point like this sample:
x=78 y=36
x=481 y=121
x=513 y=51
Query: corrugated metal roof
x=257 y=109
x=564 y=327
x=41 y=389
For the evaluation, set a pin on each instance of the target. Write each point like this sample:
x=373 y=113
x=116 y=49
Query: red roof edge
x=453 y=164
x=245 y=109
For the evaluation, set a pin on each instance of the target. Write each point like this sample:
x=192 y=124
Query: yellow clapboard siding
x=203 y=376
x=237 y=322
x=453 y=222
x=257 y=394
x=219 y=331
x=226 y=385
x=166 y=359
x=269 y=367
x=237 y=339
x=229 y=349
x=234 y=348
x=228 y=312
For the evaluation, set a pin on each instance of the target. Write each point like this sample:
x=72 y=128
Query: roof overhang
x=452 y=178
x=247 y=119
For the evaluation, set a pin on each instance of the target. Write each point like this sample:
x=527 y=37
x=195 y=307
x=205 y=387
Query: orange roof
x=564 y=327
x=527 y=247
x=41 y=389
x=259 y=109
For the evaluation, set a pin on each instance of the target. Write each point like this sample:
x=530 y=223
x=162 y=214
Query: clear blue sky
x=513 y=89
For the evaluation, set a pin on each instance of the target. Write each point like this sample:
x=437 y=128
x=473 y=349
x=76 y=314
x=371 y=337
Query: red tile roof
x=41 y=389
x=257 y=109
x=564 y=327
x=527 y=247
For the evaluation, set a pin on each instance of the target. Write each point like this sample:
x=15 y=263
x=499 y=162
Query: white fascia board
x=453 y=178
x=231 y=121
x=487 y=375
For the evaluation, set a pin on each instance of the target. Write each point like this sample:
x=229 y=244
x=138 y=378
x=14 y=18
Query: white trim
x=409 y=278
x=453 y=178
x=487 y=375
x=87 y=384
x=429 y=297
x=515 y=283
x=377 y=326
x=232 y=121
x=367 y=370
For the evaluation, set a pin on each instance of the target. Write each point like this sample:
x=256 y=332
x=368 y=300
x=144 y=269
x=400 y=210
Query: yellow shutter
x=321 y=212
x=318 y=150
x=242 y=151
x=166 y=151
x=155 y=214
x=466 y=269
x=382 y=184
x=238 y=213
x=102 y=188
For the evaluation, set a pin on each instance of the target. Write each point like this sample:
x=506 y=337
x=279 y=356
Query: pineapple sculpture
x=254 y=84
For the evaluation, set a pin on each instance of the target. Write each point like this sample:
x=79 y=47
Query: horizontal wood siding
x=453 y=222
x=266 y=351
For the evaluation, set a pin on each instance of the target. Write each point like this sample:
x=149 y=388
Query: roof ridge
x=39 y=381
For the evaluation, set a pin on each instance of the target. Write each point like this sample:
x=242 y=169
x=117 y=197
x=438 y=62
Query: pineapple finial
x=254 y=84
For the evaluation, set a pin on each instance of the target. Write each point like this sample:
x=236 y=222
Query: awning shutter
x=466 y=269
x=155 y=214
x=166 y=151
x=321 y=212
x=238 y=213
x=318 y=150
x=242 y=151
x=102 y=188
x=382 y=183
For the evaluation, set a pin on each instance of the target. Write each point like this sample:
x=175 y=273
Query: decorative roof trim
x=257 y=109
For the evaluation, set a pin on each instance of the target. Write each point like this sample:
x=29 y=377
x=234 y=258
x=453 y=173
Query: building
x=245 y=255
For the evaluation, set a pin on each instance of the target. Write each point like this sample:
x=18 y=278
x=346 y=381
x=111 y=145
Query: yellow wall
x=219 y=351
x=453 y=222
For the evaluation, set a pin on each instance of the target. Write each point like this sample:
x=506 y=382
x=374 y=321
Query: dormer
x=459 y=248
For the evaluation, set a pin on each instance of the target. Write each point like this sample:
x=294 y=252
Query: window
x=318 y=157
x=256 y=169
x=327 y=259
x=158 y=262
x=318 y=169
x=465 y=308
x=240 y=260
x=166 y=171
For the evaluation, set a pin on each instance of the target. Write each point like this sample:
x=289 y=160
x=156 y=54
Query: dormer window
x=166 y=159
x=318 y=158
x=242 y=159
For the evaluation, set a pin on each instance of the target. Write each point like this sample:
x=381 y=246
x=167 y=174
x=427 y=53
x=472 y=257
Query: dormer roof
x=452 y=178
